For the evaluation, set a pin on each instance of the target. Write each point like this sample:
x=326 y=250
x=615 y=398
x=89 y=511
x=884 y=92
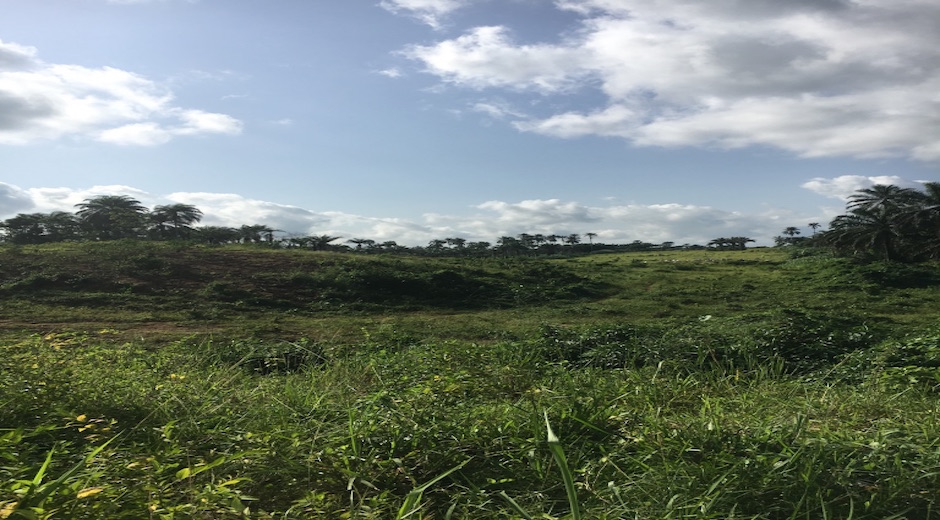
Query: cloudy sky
x=409 y=120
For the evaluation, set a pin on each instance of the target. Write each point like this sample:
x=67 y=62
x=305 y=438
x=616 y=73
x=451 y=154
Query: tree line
x=119 y=217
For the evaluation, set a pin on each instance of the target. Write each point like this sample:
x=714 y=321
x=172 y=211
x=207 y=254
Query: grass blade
x=413 y=500
x=554 y=445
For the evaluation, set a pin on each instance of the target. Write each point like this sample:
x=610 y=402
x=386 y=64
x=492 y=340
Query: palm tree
x=110 y=217
x=436 y=246
x=791 y=231
x=891 y=222
x=814 y=226
x=174 y=220
x=881 y=197
x=739 y=243
x=720 y=243
x=510 y=246
x=526 y=240
x=481 y=248
x=865 y=229
x=321 y=242
x=25 y=228
x=217 y=235
x=60 y=226
x=923 y=223
x=361 y=242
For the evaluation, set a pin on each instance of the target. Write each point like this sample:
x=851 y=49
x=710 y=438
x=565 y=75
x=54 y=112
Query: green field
x=160 y=380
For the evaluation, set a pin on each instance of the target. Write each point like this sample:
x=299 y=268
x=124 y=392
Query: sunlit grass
x=683 y=393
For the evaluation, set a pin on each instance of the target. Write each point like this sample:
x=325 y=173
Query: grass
x=681 y=385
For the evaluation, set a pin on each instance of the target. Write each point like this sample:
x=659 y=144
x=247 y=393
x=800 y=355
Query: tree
x=111 y=217
x=892 y=223
x=885 y=198
x=321 y=242
x=924 y=221
x=527 y=240
x=217 y=235
x=814 y=226
x=174 y=220
x=436 y=246
x=739 y=243
x=510 y=246
x=25 y=228
x=257 y=233
x=719 y=243
x=361 y=242
x=481 y=248
x=864 y=229
x=60 y=226
x=791 y=238
x=457 y=243
x=732 y=243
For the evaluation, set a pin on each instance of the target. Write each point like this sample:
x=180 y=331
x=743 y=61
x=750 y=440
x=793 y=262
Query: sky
x=414 y=120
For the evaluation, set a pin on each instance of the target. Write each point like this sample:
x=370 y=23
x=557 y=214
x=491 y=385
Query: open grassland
x=142 y=380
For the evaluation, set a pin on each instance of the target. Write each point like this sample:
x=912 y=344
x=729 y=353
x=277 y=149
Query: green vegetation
x=891 y=223
x=143 y=379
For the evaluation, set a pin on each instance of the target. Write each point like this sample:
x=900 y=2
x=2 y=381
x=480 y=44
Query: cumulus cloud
x=613 y=223
x=814 y=77
x=844 y=186
x=431 y=12
x=44 y=101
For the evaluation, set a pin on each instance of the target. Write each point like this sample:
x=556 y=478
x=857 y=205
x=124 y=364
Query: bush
x=282 y=357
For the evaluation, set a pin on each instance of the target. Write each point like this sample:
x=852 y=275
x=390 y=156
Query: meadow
x=165 y=380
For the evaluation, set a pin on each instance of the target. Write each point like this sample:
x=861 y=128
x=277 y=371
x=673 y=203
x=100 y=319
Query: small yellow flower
x=81 y=418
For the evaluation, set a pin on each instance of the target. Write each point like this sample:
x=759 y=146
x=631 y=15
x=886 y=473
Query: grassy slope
x=683 y=385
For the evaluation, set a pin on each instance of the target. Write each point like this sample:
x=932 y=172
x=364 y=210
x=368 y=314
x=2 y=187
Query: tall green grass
x=194 y=430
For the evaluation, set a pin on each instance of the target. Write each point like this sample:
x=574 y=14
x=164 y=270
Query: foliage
x=889 y=223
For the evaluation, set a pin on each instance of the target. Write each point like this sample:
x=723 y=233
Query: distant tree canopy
x=889 y=223
x=107 y=217
x=730 y=243
x=119 y=217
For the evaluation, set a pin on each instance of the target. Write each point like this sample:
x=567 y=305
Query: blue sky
x=409 y=120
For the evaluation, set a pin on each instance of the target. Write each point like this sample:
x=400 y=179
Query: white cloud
x=814 y=77
x=431 y=12
x=613 y=223
x=391 y=73
x=487 y=57
x=844 y=186
x=45 y=101
x=496 y=109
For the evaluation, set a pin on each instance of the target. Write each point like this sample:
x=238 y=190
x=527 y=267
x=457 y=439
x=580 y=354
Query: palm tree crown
x=110 y=217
